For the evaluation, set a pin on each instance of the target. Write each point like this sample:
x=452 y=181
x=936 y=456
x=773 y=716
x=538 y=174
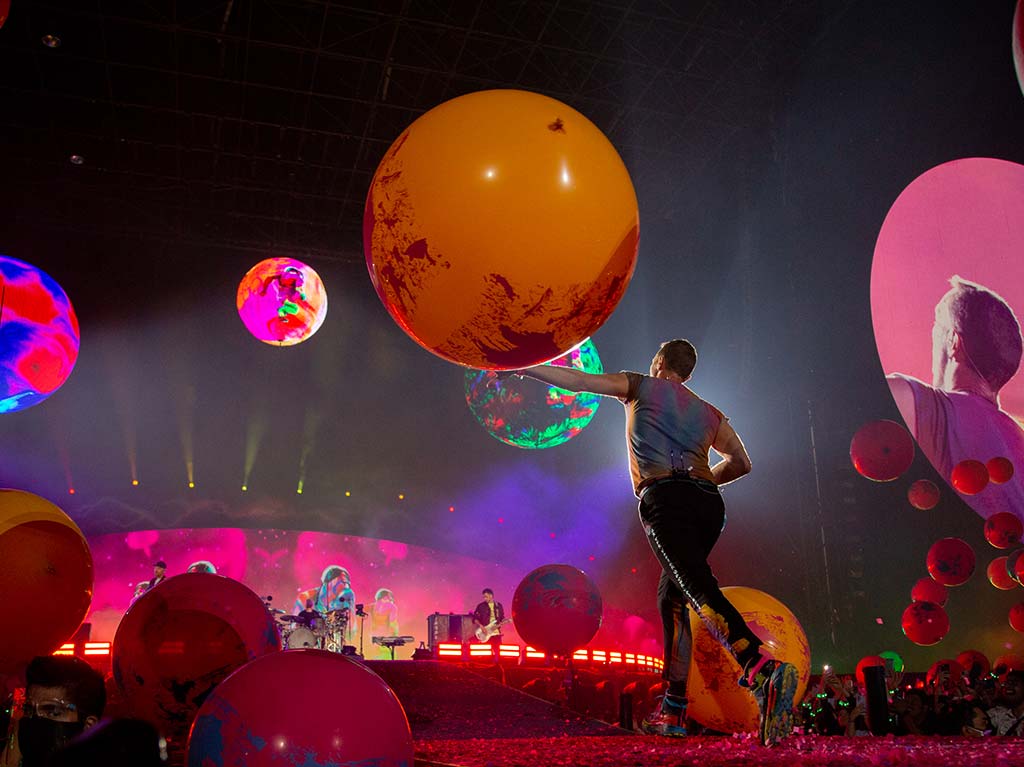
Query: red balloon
x=865 y=662
x=1006 y=663
x=1000 y=470
x=974 y=663
x=1003 y=529
x=923 y=495
x=925 y=623
x=969 y=477
x=1011 y=564
x=341 y=713
x=882 y=450
x=956 y=671
x=45 y=567
x=951 y=561
x=998 y=576
x=1017 y=617
x=181 y=639
x=927 y=590
x=557 y=608
x=5 y=9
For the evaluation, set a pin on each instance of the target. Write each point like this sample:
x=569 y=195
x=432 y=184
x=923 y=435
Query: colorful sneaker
x=667 y=719
x=775 y=701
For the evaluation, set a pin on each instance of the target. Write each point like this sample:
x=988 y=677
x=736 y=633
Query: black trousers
x=683 y=520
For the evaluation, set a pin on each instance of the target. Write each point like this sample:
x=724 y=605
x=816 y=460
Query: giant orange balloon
x=715 y=698
x=46 y=568
x=501 y=229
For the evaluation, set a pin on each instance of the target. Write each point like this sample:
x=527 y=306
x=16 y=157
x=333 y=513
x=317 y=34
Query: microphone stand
x=361 y=614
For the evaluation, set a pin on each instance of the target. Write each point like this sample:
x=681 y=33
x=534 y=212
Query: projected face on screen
x=947 y=291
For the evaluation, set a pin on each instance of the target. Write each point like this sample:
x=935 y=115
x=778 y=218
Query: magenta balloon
x=282 y=301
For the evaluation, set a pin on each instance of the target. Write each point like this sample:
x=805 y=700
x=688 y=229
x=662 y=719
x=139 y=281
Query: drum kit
x=323 y=632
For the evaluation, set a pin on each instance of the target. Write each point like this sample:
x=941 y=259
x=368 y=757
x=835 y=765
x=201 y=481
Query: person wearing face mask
x=64 y=696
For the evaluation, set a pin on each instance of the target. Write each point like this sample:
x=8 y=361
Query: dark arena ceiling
x=151 y=151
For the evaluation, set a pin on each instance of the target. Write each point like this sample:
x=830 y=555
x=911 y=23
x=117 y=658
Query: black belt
x=678 y=477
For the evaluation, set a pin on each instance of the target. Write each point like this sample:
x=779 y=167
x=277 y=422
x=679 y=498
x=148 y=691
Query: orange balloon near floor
x=715 y=698
x=501 y=229
x=45 y=563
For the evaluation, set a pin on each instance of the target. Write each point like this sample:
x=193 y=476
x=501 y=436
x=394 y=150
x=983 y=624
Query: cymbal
x=288 y=619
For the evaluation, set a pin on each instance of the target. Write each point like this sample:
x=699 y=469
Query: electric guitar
x=483 y=633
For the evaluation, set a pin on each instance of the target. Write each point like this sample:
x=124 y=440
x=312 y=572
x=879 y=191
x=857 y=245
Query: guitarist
x=489 y=616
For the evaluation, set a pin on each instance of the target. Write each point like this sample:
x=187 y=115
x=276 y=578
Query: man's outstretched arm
x=735 y=461
x=608 y=384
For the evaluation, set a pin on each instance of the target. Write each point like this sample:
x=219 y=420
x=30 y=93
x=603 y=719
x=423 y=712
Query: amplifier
x=449 y=627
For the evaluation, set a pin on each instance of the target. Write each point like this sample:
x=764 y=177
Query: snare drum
x=301 y=637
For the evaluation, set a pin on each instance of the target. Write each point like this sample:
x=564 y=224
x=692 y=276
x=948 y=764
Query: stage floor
x=646 y=751
x=464 y=719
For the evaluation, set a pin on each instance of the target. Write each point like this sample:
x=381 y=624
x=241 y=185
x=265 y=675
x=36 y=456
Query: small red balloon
x=1007 y=662
x=923 y=495
x=927 y=590
x=925 y=623
x=1017 y=617
x=974 y=663
x=882 y=450
x=998 y=576
x=1000 y=470
x=1003 y=529
x=956 y=671
x=969 y=477
x=951 y=561
x=1011 y=565
x=866 y=662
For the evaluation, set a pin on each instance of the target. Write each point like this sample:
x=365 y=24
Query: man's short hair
x=488 y=591
x=160 y=563
x=679 y=356
x=988 y=327
x=81 y=682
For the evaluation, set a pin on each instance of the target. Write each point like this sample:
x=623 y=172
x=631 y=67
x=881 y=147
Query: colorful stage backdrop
x=281 y=563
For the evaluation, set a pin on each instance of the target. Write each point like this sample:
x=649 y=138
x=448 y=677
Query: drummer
x=309 y=615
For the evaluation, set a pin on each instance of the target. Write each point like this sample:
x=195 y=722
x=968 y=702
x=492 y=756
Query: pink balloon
x=340 y=713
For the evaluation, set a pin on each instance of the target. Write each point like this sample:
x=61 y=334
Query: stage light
x=501 y=520
x=451 y=508
x=401 y=496
x=77 y=159
x=51 y=41
x=551 y=535
x=71 y=491
x=299 y=488
x=348 y=493
x=191 y=485
x=135 y=483
x=245 y=488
